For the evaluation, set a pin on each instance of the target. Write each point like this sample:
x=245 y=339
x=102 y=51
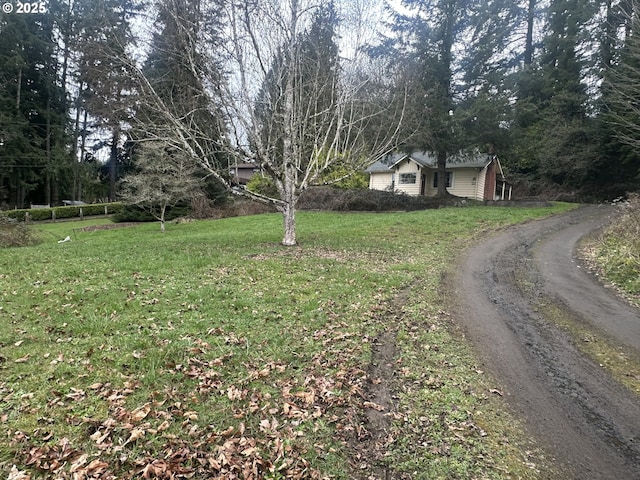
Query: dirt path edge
x=586 y=420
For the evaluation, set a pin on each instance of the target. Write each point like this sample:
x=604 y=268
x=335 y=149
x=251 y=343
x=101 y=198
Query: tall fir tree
x=33 y=119
x=103 y=40
x=553 y=129
x=620 y=115
x=455 y=51
x=183 y=70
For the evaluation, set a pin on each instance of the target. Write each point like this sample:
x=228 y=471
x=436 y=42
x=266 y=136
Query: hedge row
x=57 y=213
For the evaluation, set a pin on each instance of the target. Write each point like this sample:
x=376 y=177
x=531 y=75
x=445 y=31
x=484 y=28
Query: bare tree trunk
x=289 y=218
x=442 y=174
x=113 y=164
x=288 y=206
x=290 y=171
x=18 y=93
x=83 y=150
x=48 y=195
x=528 y=49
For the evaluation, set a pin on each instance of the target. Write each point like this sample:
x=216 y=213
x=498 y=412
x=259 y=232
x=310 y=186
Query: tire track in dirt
x=380 y=404
x=588 y=421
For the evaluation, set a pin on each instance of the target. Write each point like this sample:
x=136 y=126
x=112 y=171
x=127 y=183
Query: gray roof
x=428 y=160
x=379 y=166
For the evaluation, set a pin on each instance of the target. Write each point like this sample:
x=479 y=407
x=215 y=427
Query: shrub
x=15 y=234
x=134 y=213
x=619 y=250
x=342 y=176
x=239 y=207
x=201 y=207
x=263 y=186
x=56 y=213
x=337 y=199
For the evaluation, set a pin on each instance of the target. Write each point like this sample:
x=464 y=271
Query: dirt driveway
x=589 y=422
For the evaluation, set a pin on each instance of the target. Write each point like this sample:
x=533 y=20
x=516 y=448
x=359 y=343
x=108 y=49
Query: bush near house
x=263 y=186
x=365 y=200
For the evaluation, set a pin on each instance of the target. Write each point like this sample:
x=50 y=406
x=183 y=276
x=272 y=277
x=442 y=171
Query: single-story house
x=476 y=176
x=241 y=173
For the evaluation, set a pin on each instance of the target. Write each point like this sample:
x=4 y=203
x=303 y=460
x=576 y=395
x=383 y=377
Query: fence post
x=53 y=215
x=80 y=213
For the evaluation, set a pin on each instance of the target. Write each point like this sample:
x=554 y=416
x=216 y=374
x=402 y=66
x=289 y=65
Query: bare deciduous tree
x=315 y=117
x=165 y=177
x=622 y=80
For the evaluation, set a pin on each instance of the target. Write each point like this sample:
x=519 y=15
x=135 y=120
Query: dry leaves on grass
x=164 y=437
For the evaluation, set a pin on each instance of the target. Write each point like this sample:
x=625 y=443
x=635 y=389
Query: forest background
x=548 y=85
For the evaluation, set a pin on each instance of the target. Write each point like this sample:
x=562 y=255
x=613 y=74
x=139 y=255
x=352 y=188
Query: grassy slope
x=211 y=350
x=614 y=255
x=616 y=252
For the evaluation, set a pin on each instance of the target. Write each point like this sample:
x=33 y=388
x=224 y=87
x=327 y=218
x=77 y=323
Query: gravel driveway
x=589 y=422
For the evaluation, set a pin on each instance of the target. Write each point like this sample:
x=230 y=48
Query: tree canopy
x=297 y=85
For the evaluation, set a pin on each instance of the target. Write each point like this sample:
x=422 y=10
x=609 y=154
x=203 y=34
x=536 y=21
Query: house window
x=407 y=178
x=448 y=177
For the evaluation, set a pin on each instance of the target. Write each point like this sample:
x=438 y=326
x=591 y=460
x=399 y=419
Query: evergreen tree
x=455 y=50
x=103 y=38
x=620 y=125
x=183 y=73
x=33 y=118
x=553 y=132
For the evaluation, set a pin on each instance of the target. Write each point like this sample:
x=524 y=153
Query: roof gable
x=429 y=160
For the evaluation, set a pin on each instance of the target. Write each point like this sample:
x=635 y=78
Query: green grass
x=616 y=253
x=211 y=348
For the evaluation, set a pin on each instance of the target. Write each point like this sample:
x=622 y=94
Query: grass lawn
x=211 y=351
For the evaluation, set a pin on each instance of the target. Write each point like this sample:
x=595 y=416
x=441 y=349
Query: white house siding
x=380 y=180
x=408 y=167
x=465 y=183
x=430 y=191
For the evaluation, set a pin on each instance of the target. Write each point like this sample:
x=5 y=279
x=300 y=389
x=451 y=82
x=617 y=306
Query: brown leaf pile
x=165 y=438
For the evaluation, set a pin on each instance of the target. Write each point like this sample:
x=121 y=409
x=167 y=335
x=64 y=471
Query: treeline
x=91 y=86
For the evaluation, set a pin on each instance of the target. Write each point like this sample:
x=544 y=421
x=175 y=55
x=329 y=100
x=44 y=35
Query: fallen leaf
x=79 y=463
x=96 y=467
x=307 y=397
x=141 y=412
x=136 y=434
x=23 y=359
x=234 y=393
x=374 y=406
x=249 y=451
x=15 y=474
x=163 y=426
